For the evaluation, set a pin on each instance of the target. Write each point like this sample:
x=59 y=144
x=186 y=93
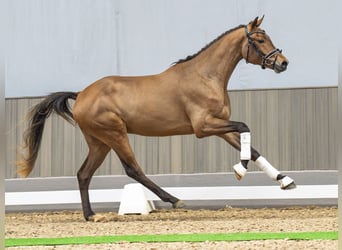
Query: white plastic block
x=134 y=200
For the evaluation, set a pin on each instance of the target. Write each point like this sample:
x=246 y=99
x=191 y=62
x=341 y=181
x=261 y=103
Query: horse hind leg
x=240 y=169
x=134 y=171
x=96 y=155
x=118 y=141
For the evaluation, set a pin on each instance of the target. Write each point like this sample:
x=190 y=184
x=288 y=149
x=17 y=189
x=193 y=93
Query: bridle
x=265 y=58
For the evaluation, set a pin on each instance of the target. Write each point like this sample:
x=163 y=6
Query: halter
x=265 y=58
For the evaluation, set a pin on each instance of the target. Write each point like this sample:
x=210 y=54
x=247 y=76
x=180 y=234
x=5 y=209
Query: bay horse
x=190 y=97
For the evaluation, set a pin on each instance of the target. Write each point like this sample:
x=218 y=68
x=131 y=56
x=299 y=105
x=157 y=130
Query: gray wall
x=294 y=128
x=65 y=45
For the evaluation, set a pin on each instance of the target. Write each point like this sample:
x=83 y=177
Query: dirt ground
x=228 y=220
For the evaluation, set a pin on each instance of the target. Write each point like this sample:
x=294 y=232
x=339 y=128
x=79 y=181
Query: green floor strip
x=11 y=242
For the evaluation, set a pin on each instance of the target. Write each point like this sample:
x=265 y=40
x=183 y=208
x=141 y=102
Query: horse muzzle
x=281 y=66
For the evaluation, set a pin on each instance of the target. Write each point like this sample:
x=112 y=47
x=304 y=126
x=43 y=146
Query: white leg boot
x=245 y=154
x=239 y=170
x=285 y=181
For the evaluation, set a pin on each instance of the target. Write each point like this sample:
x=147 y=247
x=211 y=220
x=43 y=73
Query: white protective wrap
x=265 y=166
x=245 y=140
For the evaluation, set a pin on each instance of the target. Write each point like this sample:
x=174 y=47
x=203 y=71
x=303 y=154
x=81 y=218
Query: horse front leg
x=240 y=169
x=238 y=135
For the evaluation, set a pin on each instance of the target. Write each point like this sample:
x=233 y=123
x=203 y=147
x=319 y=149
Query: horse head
x=257 y=48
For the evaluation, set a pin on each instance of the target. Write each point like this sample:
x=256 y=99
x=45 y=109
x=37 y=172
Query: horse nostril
x=284 y=64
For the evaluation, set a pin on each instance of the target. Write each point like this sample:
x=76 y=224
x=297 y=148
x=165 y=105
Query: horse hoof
x=287 y=183
x=178 y=204
x=237 y=176
x=97 y=218
x=292 y=185
x=239 y=171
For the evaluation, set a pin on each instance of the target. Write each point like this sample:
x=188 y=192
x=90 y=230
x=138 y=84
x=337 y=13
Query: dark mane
x=208 y=45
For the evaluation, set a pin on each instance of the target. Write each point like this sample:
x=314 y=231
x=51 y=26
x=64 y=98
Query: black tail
x=55 y=102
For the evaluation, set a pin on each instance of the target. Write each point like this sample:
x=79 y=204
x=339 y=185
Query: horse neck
x=218 y=61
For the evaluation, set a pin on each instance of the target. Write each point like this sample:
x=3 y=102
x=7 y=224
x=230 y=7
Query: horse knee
x=243 y=128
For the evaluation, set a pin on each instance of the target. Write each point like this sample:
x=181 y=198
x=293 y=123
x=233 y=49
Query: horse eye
x=261 y=41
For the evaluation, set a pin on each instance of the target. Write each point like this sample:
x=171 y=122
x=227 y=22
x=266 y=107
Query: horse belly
x=153 y=126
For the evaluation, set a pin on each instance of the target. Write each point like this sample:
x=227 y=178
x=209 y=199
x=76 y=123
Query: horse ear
x=254 y=23
x=260 y=21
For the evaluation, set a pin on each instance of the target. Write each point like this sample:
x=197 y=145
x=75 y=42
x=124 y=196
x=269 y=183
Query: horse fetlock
x=96 y=218
x=88 y=215
x=178 y=204
x=287 y=183
x=239 y=170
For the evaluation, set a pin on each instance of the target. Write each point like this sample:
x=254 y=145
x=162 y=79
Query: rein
x=265 y=58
